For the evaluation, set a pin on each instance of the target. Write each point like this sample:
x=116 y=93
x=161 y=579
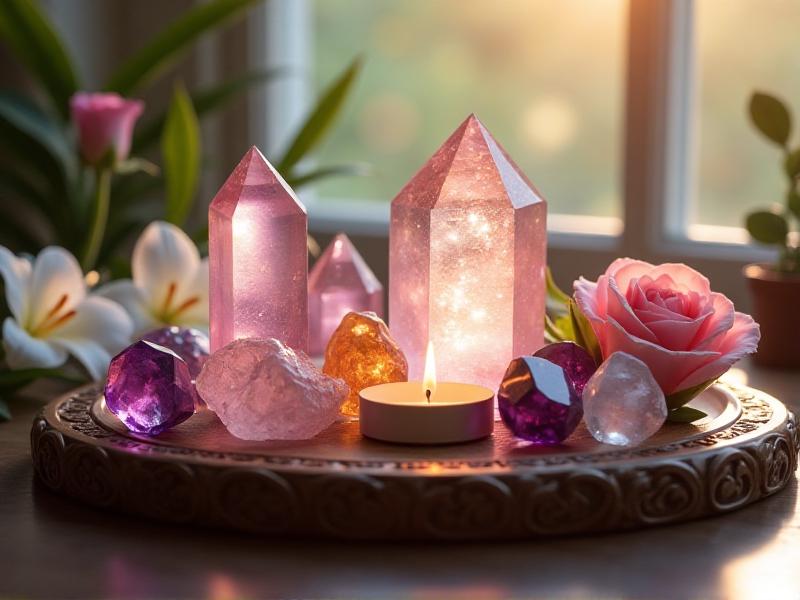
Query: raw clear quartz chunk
x=622 y=403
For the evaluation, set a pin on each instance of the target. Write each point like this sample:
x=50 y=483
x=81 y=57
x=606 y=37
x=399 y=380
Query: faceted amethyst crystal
x=190 y=344
x=575 y=361
x=149 y=388
x=538 y=402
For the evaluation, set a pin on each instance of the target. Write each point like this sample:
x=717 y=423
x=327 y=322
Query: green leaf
x=553 y=291
x=204 y=101
x=30 y=134
x=584 y=334
x=685 y=414
x=11 y=380
x=558 y=329
x=680 y=398
x=180 y=148
x=167 y=47
x=771 y=117
x=300 y=179
x=137 y=165
x=793 y=202
x=5 y=413
x=35 y=42
x=320 y=119
x=767 y=227
x=791 y=164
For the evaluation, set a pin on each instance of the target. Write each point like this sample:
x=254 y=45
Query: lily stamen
x=52 y=319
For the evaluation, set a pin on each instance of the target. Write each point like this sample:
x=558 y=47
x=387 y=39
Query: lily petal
x=197 y=314
x=24 y=351
x=99 y=329
x=16 y=274
x=56 y=278
x=163 y=256
x=127 y=295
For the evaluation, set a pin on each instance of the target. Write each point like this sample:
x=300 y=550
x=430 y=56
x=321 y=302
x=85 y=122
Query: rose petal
x=674 y=334
x=622 y=313
x=669 y=367
x=715 y=328
x=685 y=278
x=741 y=340
x=623 y=270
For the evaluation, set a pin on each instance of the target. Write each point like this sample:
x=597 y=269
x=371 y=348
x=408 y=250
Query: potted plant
x=775 y=288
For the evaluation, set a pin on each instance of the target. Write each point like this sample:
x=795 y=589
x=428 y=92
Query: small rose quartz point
x=467 y=261
x=340 y=282
x=623 y=405
x=263 y=390
x=258 y=263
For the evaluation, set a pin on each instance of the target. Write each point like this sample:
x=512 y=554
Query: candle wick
x=428 y=395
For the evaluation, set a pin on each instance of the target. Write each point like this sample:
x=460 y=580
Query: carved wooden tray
x=342 y=485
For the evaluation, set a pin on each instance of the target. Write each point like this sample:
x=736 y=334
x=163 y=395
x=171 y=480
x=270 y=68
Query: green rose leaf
x=685 y=414
x=584 y=334
x=767 y=227
x=771 y=117
x=553 y=291
x=678 y=399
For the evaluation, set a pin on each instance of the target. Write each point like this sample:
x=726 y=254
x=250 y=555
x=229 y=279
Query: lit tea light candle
x=427 y=411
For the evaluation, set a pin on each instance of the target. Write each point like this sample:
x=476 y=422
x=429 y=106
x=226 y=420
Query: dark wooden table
x=54 y=548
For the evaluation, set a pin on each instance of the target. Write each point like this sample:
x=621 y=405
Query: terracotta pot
x=776 y=307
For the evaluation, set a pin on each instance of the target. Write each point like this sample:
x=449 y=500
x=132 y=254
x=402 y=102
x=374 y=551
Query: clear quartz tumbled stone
x=622 y=403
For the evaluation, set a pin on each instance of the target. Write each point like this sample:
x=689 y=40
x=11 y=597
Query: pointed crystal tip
x=470 y=166
x=255 y=180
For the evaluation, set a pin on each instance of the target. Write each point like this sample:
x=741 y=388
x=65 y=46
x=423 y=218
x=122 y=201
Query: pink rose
x=105 y=122
x=668 y=317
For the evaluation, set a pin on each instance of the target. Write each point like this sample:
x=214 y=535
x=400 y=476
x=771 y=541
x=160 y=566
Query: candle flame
x=429 y=377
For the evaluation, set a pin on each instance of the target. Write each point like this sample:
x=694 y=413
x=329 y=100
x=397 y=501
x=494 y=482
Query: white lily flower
x=53 y=316
x=170 y=281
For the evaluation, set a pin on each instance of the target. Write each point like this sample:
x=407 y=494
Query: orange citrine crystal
x=363 y=353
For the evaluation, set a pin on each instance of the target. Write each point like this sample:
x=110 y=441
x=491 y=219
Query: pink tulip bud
x=105 y=122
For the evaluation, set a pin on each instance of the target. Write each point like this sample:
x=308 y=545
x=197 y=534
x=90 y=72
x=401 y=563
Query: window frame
x=657 y=182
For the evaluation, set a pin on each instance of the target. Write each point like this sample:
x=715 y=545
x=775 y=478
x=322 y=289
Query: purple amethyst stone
x=538 y=402
x=149 y=388
x=190 y=344
x=576 y=362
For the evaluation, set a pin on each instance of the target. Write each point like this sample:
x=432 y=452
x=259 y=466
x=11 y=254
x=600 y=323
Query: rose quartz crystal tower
x=340 y=282
x=467 y=261
x=258 y=262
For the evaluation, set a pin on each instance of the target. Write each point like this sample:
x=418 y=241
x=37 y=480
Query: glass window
x=742 y=46
x=545 y=77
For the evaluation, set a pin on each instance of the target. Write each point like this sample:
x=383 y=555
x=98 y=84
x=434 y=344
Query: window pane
x=742 y=46
x=545 y=77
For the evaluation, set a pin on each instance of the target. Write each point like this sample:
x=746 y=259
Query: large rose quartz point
x=466 y=261
x=258 y=263
x=264 y=390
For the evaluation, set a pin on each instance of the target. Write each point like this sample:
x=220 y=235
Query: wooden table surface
x=55 y=548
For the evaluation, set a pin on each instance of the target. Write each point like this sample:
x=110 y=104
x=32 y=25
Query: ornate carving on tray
x=477 y=495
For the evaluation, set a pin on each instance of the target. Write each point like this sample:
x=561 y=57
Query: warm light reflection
x=429 y=377
x=735 y=376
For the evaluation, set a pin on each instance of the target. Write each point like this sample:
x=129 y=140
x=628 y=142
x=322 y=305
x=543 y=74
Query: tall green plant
x=773 y=225
x=50 y=198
